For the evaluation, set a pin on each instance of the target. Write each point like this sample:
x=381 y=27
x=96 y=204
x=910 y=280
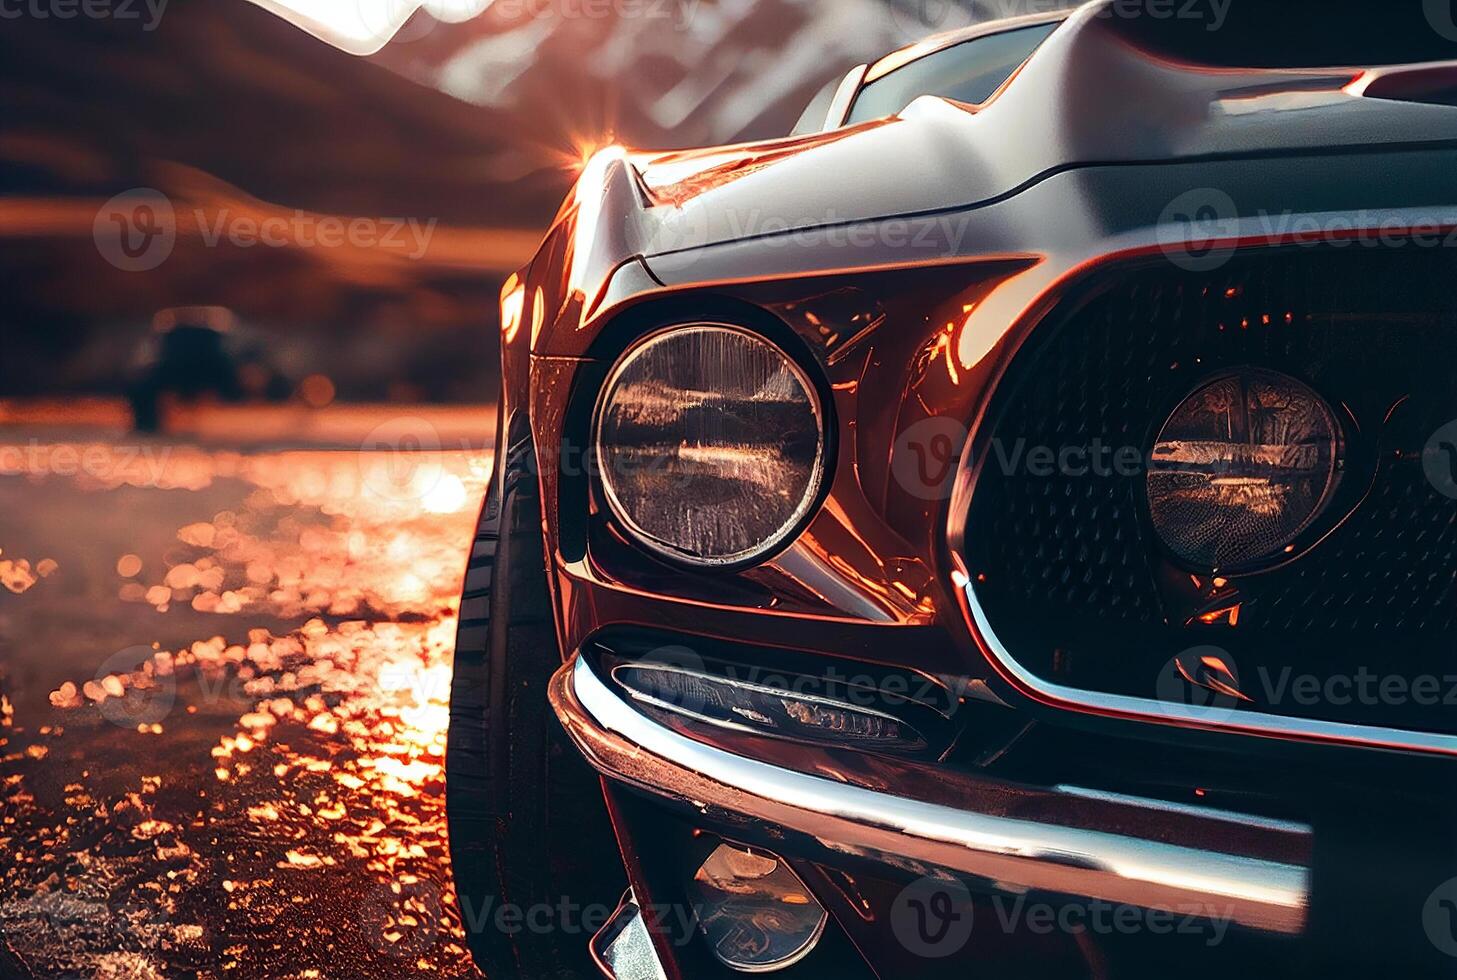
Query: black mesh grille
x=1071 y=575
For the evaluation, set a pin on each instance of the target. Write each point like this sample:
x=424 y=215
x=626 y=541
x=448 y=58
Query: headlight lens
x=711 y=444
x=1241 y=468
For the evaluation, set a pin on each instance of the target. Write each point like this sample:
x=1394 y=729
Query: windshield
x=968 y=72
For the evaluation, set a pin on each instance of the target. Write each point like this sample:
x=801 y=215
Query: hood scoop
x=1433 y=83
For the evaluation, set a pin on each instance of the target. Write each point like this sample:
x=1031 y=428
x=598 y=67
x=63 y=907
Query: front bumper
x=1076 y=844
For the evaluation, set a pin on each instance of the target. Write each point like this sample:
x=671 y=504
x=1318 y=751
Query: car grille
x=1068 y=571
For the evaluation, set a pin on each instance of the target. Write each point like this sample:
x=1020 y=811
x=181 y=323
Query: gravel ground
x=224 y=677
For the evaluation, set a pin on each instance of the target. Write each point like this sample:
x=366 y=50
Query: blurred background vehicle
x=200 y=352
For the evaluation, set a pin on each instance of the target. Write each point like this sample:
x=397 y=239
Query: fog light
x=769 y=709
x=1244 y=465
x=754 y=911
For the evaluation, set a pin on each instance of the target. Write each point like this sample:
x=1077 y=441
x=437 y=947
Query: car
x=197 y=352
x=1006 y=529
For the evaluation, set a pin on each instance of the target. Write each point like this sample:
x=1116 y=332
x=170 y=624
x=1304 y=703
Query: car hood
x=1071 y=105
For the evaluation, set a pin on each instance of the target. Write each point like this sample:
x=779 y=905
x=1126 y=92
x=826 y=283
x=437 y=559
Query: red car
x=1009 y=530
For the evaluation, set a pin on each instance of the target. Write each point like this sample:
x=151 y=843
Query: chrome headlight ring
x=710 y=443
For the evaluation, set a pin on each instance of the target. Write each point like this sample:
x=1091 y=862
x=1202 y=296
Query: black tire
x=528 y=824
x=146 y=411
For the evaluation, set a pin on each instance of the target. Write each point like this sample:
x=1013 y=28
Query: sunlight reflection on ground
x=254 y=804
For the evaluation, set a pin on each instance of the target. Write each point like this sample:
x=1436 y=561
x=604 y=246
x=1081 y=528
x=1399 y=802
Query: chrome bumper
x=1081 y=843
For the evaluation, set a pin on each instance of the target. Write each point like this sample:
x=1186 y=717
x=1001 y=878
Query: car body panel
x=997 y=265
x=908 y=261
x=1067 y=110
x=990 y=302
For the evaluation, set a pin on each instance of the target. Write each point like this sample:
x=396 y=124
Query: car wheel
x=531 y=843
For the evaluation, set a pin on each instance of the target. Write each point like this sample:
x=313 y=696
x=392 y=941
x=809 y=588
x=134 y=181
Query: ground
x=224 y=674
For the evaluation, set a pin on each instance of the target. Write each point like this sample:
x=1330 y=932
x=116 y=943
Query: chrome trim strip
x=1220 y=718
x=844 y=98
x=1010 y=852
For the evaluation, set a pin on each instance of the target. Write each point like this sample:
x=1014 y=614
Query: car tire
x=529 y=829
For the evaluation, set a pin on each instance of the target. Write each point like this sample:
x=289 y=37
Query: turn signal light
x=768 y=710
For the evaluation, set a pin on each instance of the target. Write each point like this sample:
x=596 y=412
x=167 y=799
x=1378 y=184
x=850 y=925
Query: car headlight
x=1241 y=468
x=710 y=443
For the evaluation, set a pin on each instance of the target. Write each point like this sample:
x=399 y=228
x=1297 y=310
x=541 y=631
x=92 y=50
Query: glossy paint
x=914 y=314
x=905 y=262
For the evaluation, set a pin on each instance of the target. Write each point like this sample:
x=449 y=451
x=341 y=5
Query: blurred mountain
x=237 y=117
x=500 y=111
x=655 y=73
x=475 y=128
x=663 y=74
x=93 y=106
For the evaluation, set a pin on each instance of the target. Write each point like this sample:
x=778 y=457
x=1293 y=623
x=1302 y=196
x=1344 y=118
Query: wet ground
x=224 y=678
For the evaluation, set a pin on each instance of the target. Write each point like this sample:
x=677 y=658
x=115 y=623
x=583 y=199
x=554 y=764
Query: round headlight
x=710 y=443
x=1241 y=468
